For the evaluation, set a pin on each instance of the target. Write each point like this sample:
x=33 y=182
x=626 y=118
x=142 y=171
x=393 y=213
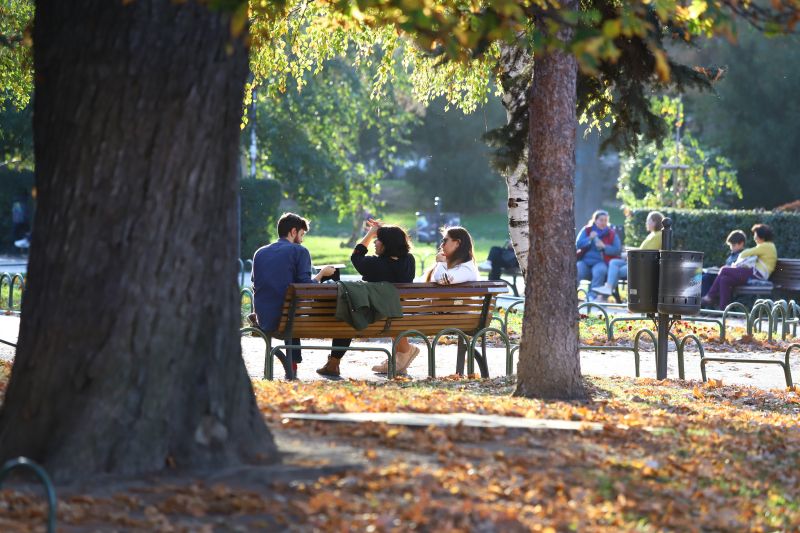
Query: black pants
x=501 y=258
x=339 y=343
x=336 y=343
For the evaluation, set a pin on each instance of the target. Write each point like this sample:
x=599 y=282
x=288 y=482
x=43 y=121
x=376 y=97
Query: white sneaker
x=604 y=289
x=486 y=265
x=23 y=243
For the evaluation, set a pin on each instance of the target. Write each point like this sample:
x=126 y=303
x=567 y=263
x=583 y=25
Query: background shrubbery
x=260 y=203
x=705 y=230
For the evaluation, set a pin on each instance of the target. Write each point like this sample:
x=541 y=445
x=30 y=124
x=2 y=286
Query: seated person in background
x=757 y=262
x=618 y=268
x=736 y=241
x=275 y=267
x=393 y=263
x=500 y=258
x=597 y=244
x=455 y=262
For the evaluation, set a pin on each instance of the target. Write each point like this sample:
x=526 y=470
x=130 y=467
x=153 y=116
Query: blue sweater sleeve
x=302 y=266
x=614 y=248
x=582 y=240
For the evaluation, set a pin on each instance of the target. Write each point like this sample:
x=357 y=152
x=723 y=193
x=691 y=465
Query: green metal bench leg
x=268 y=368
x=463 y=340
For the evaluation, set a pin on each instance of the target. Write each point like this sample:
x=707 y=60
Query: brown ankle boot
x=331 y=368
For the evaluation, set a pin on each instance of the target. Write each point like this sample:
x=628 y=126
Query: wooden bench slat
x=378 y=330
x=328 y=319
x=406 y=312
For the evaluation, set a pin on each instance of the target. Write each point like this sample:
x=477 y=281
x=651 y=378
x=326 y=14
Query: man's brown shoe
x=331 y=368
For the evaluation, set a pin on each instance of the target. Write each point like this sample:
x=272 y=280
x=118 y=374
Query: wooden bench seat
x=309 y=312
x=785 y=279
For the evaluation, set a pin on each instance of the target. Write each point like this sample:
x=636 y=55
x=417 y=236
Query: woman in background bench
x=618 y=268
x=757 y=262
x=392 y=262
x=455 y=262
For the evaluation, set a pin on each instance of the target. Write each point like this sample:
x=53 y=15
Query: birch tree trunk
x=516 y=72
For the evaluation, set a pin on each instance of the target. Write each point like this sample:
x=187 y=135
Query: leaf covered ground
x=673 y=455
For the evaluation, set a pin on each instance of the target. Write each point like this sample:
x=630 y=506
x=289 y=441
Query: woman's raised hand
x=374 y=225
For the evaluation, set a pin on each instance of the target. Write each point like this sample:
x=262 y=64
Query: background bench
x=514 y=273
x=785 y=279
x=428 y=309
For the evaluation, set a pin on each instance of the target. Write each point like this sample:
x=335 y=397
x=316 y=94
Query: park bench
x=513 y=273
x=429 y=310
x=785 y=279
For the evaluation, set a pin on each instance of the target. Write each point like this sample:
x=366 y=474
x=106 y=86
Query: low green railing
x=23 y=463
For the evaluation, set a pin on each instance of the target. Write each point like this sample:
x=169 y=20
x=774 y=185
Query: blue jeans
x=617 y=270
x=596 y=273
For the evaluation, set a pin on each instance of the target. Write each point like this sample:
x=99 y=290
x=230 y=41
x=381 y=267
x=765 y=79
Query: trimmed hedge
x=705 y=230
x=260 y=204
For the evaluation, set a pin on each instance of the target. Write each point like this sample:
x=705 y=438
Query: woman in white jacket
x=455 y=262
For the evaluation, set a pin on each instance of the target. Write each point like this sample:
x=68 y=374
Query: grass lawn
x=324 y=240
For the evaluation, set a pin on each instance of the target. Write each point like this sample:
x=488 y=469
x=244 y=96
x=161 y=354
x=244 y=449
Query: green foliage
x=703 y=179
x=16 y=59
x=259 y=212
x=12 y=184
x=16 y=137
x=705 y=230
x=286 y=49
x=752 y=116
x=331 y=143
x=456 y=160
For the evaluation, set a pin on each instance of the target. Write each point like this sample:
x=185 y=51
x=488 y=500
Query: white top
x=458 y=274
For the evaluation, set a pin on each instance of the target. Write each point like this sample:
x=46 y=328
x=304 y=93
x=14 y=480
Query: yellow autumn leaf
x=662 y=66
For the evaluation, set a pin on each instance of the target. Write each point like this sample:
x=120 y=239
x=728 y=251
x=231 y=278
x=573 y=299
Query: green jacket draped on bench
x=361 y=303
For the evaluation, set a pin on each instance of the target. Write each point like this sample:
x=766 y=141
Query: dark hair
x=597 y=214
x=464 y=253
x=763 y=232
x=395 y=241
x=737 y=236
x=290 y=221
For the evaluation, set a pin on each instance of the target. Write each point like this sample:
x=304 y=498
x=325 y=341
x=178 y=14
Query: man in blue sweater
x=275 y=267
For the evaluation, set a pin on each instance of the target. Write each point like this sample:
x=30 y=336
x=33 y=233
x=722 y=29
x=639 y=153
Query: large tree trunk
x=516 y=67
x=549 y=361
x=129 y=354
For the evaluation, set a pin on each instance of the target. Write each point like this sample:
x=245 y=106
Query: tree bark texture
x=129 y=353
x=516 y=71
x=549 y=361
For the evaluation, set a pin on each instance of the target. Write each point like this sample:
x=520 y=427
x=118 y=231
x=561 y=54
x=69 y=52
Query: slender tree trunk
x=516 y=67
x=129 y=355
x=549 y=361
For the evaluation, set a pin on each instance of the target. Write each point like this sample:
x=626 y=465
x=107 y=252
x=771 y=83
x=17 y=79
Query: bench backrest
x=309 y=309
x=786 y=275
